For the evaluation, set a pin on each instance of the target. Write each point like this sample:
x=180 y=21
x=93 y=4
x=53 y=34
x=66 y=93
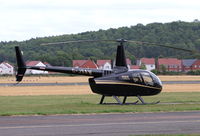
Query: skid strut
x=124 y=101
x=102 y=98
x=143 y=102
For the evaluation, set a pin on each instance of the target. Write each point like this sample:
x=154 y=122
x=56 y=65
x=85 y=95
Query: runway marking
x=101 y=124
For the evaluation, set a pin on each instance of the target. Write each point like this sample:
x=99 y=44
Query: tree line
x=178 y=34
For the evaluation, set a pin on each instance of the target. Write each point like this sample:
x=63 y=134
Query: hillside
x=179 y=34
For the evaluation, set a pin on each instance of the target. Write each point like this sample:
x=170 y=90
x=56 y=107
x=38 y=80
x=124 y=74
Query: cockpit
x=145 y=77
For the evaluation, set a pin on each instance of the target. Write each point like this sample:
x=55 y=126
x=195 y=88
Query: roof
x=169 y=61
x=188 y=62
x=102 y=62
x=32 y=63
x=89 y=64
x=7 y=64
x=78 y=63
x=84 y=64
x=47 y=64
x=134 y=67
x=147 y=60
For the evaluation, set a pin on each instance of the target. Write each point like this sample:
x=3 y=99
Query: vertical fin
x=21 y=66
x=120 y=57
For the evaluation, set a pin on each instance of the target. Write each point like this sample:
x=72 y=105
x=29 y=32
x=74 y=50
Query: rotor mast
x=120 y=56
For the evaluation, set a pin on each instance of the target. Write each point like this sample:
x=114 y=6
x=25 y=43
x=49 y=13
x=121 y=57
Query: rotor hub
x=121 y=41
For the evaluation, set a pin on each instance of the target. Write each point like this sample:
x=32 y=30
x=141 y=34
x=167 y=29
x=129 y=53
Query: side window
x=136 y=78
x=147 y=78
x=125 y=77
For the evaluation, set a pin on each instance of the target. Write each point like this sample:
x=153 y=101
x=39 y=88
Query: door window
x=136 y=78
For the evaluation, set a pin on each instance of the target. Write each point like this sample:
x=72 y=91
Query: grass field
x=44 y=100
x=81 y=104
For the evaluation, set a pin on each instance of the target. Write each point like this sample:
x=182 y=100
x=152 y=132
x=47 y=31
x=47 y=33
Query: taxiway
x=102 y=124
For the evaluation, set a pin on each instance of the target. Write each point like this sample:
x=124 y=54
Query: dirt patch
x=82 y=89
x=179 y=78
x=45 y=90
x=181 y=88
x=40 y=79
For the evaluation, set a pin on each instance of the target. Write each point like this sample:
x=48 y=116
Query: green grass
x=81 y=104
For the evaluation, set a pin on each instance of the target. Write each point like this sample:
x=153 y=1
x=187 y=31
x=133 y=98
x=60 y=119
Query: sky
x=25 y=19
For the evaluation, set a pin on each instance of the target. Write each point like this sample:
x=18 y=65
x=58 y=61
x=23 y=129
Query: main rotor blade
x=121 y=41
x=162 y=45
x=77 y=41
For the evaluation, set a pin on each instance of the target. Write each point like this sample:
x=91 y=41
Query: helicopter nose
x=159 y=84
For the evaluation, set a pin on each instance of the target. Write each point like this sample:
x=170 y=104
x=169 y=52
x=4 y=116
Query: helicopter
x=117 y=82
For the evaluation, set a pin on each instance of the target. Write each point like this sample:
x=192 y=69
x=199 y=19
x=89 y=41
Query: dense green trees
x=179 y=34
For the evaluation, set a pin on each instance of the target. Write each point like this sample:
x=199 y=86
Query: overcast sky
x=25 y=19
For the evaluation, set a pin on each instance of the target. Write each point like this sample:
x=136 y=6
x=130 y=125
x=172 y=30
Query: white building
x=35 y=63
x=148 y=62
x=104 y=64
x=6 y=68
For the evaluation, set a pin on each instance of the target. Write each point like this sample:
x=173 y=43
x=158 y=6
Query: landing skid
x=124 y=101
x=143 y=102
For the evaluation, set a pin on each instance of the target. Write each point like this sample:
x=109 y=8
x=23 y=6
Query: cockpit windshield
x=145 y=77
x=155 y=78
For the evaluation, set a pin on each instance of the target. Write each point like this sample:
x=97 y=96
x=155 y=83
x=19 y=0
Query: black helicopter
x=120 y=81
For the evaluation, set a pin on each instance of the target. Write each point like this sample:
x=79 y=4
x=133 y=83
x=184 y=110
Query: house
x=149 y=63
x=171 y=64
x=47 y=64
x=196 y=65
x=6 y=68
x=190 y=64
x=187 y=64
x=104 y=64
x=35 y=63
x=128 y=62
x=84 y=64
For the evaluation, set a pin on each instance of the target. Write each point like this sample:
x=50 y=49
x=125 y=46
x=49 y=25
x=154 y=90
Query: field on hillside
x=82 y=89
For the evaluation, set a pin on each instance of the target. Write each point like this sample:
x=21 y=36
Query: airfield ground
x=82 y=89
x=75 y=99
x=58 y=100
